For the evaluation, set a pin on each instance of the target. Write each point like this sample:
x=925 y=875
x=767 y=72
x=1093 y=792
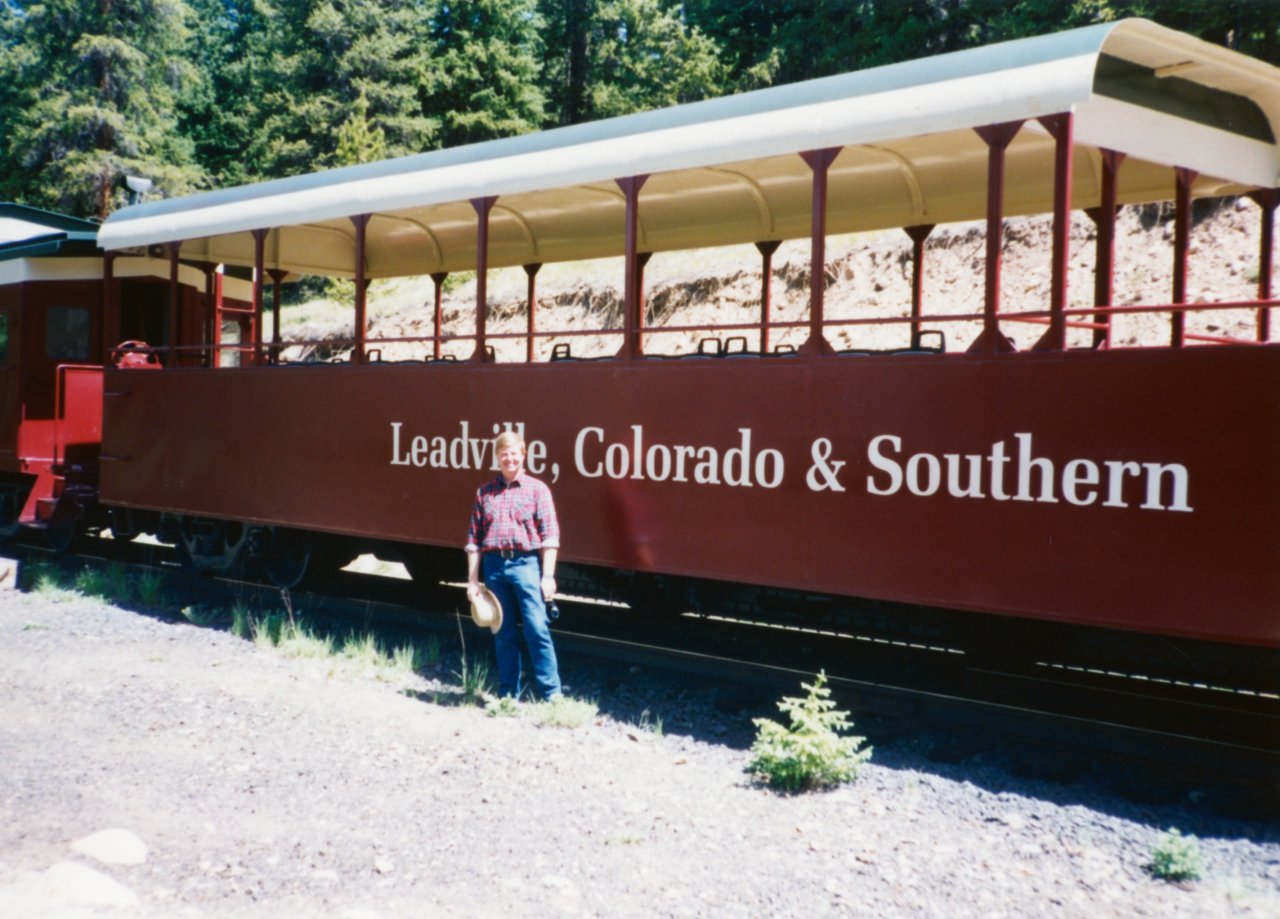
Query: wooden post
x=361 y=222
x=1061 y=128
x=918 y=233
x=766 y=250
x=438 y=324
x=482 y=208
x=997 y=137
x=633 y=319
x=531 y=272
x=820 y=162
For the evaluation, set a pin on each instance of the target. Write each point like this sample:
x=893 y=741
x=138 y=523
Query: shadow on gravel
x=720 y=712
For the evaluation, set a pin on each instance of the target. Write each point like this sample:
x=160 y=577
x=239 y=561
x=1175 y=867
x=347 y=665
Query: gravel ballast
x=154 y=768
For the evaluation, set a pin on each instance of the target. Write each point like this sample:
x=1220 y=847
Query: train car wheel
x=287 y=558
x=61 y=535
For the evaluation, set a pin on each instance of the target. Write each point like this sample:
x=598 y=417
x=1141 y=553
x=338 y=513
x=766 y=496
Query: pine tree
x=360 y=141
x=327 y=54
x=92 y=88
x=486 y=69
x=612 y=57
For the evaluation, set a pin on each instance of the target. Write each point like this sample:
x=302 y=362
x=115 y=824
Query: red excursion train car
x=1068 y=481
x=63 y=304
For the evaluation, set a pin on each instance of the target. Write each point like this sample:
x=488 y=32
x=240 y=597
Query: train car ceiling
x=908 y=155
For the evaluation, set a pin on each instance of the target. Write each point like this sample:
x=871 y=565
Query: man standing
x=511 y=546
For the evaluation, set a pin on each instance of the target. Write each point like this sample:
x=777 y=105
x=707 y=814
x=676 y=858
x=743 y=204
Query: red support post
x=766 y=250
x=175 y=311
x=820 y=162
x=531 y=272
x=997 y=138
x=482 y=208
x=110 y=322
x=438 y=324
x=1061 y=129
x=217 y=320
x=633 y=316
x=259 y=270
x=361 y=222
x=206 y=327
x=642 y=261
x=1184 y=179
x=1104 y=217
x=918 y=234
x=277 y=278
x=1267 y=199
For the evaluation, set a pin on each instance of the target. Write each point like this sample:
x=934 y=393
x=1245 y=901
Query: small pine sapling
x=811 y=753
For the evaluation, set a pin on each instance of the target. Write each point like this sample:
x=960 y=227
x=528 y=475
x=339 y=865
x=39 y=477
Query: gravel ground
x=246 y=783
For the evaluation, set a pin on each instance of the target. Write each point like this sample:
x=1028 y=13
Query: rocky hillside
x=868 y=275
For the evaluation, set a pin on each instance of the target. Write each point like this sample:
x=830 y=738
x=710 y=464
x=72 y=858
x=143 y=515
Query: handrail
x=1083 y=317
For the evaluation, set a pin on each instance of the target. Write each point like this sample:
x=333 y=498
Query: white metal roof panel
x=724 y=170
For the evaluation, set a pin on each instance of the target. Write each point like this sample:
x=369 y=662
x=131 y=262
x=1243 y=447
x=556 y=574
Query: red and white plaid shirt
x=516 y=515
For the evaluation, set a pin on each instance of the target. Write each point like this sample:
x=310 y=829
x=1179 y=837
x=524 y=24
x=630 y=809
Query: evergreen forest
x=201 y=94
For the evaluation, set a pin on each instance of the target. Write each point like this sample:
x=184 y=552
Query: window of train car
x=66 y=333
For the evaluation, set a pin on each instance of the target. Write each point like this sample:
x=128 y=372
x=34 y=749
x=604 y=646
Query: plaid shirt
x=517 y=515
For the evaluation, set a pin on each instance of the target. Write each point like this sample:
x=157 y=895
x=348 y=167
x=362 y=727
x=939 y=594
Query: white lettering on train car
x=1164 y=486
x=462 y=451
x=739 y=467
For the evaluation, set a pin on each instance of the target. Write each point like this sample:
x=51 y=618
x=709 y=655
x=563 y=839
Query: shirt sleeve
x=545 y=516
x=475 y=531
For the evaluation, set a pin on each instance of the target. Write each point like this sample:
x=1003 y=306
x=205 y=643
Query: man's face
x=510 y=459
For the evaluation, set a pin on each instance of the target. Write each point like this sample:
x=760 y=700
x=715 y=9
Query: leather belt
x=509 y=553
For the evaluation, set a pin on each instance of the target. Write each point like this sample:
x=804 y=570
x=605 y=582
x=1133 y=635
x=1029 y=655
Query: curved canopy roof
x=726 y=171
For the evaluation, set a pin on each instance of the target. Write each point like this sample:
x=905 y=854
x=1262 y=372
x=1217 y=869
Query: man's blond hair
x=508 y=439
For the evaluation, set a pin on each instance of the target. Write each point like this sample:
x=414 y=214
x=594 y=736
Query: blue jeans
x=517 y=583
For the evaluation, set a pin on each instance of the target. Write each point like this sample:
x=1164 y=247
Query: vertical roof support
x=918 y=234
x=820 y=162
x=766 y=250
x=1061 y=129
x=1267 y=199
x=259 y=270
x=531 y=272
x=997 y=138
x=437 y=325
x=1104 y=271
x=277 y=278
x=174 y=311
x=207 y=327
x=215 y=358
x=1181 y=243
x=361 y=222
x=642 y=260
x=633 y=308
x=482 y=208
x=110 y=321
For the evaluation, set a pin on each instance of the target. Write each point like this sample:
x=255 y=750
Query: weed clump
x=1176 y=858
x=564 y=712
x=812 y=752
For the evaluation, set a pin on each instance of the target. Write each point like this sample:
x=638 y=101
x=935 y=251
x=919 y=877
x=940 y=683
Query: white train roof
x=725 y=170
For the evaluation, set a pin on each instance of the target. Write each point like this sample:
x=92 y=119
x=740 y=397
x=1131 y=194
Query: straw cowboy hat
x=486 y=611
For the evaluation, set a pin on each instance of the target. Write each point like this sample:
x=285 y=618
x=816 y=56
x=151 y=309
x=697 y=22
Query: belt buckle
x=507 y=553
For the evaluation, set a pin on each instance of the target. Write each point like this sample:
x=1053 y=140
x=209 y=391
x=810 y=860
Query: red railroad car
x=1070 y=481
x=63 y=307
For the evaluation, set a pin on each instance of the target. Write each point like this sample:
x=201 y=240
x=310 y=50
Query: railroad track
x=1196 y=733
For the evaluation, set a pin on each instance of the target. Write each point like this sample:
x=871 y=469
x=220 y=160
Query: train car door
x=144 y=312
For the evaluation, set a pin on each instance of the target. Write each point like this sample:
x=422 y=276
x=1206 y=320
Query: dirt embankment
x=870 y=277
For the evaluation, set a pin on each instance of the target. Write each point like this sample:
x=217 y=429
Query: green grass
x=1176 y=858
x=477 y=684
x=564 y=712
